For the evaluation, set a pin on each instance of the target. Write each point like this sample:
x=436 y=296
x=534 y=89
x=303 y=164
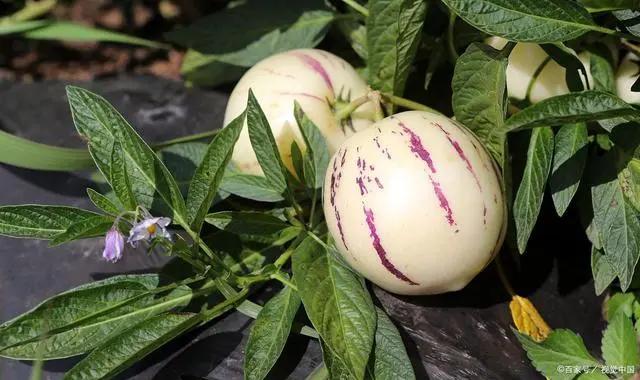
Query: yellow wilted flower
x=527 y=319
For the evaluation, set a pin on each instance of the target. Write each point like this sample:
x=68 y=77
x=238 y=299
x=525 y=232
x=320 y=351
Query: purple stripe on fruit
x=377 y=245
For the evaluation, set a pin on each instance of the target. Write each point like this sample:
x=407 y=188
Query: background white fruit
x=414 y=204
x=314 y=78
x=625 y=78
x=524 y=61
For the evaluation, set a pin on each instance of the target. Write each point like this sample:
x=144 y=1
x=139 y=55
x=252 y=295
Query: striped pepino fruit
x=415 y=204
x=319 y=81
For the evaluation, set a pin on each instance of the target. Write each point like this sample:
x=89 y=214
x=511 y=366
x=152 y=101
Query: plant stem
x=280 y=261
x=283 y=279
x=406 y=103
x=184 y=139
x=357 y=7
x=32 y=9
x=351 y=107
x=314 y=199
x=225 y=306
x=503 y=277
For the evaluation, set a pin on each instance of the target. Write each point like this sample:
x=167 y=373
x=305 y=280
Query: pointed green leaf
x=39 y=221
x=528 y=202
x=393 y=36
x=119 y=175
x=299 y=162
x=609 y=5
x=337 y=304
x=602 y=73
x=616 y=220
x=269 y=334
x=335 y=367
x=317 y=149
x=575 y=107
x=208 y=176
x=619 y=346
x=264 y=145
x=479 y=84
x=541 y=21
x=102 y=202
x=603 y=273
x=620 y=303
x=103 y=126
x=90 y=227
x=569 y=160
x=390 y=360
x=249 y=186
x=247 y=222
x=78 y=320
x=561 y=348
x=121 y=351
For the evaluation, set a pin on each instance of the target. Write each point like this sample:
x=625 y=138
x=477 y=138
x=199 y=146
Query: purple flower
x=149 y=228
x=113 y=245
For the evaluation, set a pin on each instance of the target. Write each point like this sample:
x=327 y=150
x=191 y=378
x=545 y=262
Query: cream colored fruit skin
x=408 y=215
x=625 y=78
x=282 y=78
x=524 y=60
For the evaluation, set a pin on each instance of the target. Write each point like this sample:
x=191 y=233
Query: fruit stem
x=503 y=277
x=346 y=111
x=406 y=103
x=376 y=98
x=453 y=54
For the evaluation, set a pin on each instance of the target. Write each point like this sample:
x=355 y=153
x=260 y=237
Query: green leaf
x=269 y=334
x=479 y=84
x=209 y=174
x=103 y=126
x=609 y=5
x=335 y=368
x=528 y=200
x=103 y=203
x=561 y=347
x=298 y=161
x=337 y=304
x=390 y=360
x=28 y=154
x=243 y=36
x=250 y=186
x=121 y=351
x=619 y=346
x=620 y=303
x=90 y=227
x=78 y=320
x=182 y=160
x=541 y=21
x=569 y=160
x=596 y=375
x=39 y=221
x=119 y=175
x=575 y=107
x=317 y=148
x=264 y=145
x=603 y=273
x=602 y=73
x=630 y=181
x=247 y=222
x=69 y=31
x=616 y=220
x=393 y=36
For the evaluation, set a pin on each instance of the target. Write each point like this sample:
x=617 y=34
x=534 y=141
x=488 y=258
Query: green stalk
x=406 y=103
x=31 y=10
x=357 y=7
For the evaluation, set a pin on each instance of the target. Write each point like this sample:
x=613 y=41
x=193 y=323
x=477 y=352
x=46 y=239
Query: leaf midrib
x=534 y=16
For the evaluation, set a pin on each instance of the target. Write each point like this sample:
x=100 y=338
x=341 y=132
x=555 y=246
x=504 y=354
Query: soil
x=33 y=60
